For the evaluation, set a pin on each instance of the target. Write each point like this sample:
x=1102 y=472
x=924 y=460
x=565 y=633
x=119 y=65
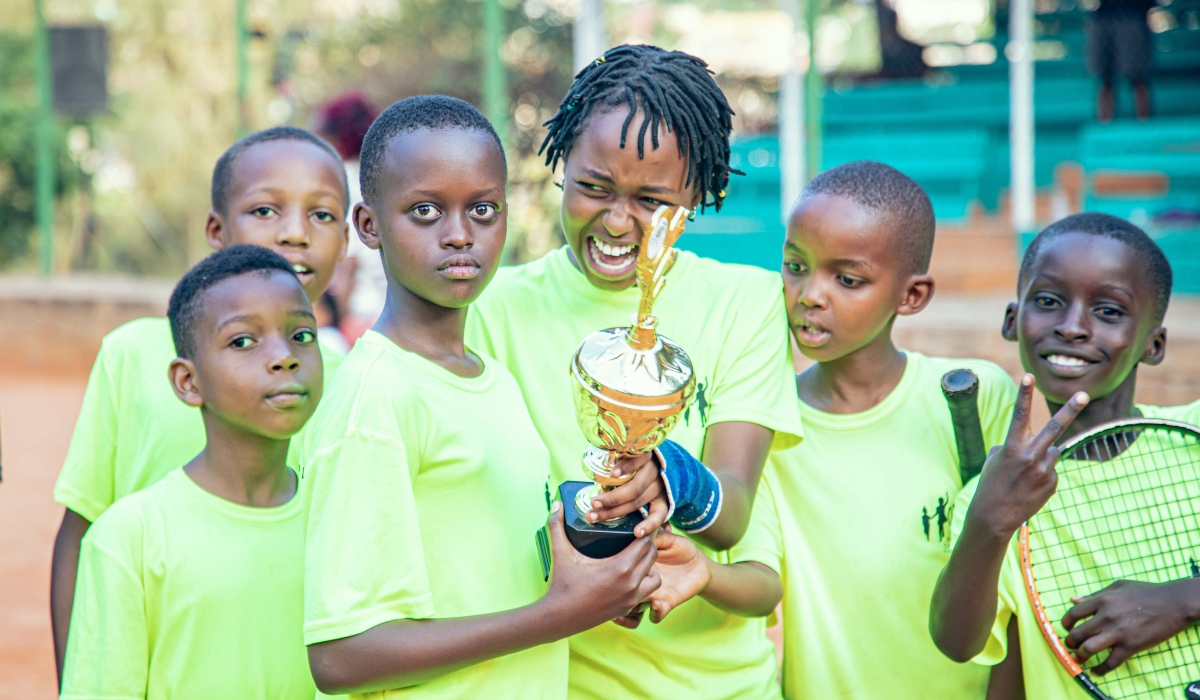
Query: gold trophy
x=631 y=385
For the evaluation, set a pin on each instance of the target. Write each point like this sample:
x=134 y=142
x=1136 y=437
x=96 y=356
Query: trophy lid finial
x=656 y=255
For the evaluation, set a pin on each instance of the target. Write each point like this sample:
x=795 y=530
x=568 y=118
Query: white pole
x=1020 y=128
x=588 y=34
x=791 y=121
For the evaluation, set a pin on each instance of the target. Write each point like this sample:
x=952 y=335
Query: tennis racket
x=1126 y=507
x=961 y=389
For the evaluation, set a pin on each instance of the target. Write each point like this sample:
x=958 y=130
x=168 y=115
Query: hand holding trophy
x=632 y=384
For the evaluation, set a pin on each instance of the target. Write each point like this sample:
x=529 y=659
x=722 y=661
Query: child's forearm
x=64 y=565
x=404 y=653
x=964 y=602
x=749 y=589
x=736 y=453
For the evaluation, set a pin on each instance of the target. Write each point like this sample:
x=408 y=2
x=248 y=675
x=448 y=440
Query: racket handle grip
x=961 y=389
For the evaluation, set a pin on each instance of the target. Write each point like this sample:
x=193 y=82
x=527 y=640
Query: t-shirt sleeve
x=763 y=541
x=757 y=380
x=108 y=648
x=85 y=484
x=364 y=562
x=997 y=644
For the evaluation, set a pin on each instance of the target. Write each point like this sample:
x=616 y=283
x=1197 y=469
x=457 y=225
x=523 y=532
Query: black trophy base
x=595 y=540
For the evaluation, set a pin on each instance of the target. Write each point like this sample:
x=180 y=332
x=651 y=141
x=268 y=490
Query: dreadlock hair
x=187 y=301
x=1157 y=270
x=671 y=87
x=222 y=177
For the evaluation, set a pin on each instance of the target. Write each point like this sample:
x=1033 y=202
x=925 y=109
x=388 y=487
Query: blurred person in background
x=359 y=288
x=1119 y=41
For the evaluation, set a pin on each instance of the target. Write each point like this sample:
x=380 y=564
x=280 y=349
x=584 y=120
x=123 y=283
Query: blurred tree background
x=134 y=182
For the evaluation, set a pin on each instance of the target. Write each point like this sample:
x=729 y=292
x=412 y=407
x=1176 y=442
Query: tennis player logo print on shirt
x=701 y=405
x=935 y=521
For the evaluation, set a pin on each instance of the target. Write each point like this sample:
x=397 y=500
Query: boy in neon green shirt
x=424 y=480
x=855 y=521
x=283 y=189
x=192 y=588
x=1092 y=294
x=626 y=150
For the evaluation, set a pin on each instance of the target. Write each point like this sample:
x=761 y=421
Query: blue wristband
x=694 y=490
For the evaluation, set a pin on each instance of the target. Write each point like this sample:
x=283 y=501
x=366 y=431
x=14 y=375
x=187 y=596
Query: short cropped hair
x=1158 y=269
x=891 y=194
x=434 y=112
x=186 y=303
x=222 y=177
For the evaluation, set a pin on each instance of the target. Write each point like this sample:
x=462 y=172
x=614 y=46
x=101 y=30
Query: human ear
x=1008 y=328
x=214 y=231
x=1156 y=347
x=182 y=374
x=364 y=223
x=917 y=295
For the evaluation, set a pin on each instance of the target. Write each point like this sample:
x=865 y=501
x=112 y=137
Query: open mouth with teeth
x=1067 y=365
x=302 y=270
x=811 y=335
x=611 y=260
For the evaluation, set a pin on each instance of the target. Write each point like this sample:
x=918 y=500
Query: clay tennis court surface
x=37 y=414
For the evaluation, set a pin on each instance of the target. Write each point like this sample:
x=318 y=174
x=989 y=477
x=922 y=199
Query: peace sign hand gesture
x=1019 y=476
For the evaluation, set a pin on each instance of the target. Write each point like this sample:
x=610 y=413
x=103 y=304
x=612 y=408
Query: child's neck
x=241 y=467
x=1115 y=405
x=855 y=382
x=431 y=331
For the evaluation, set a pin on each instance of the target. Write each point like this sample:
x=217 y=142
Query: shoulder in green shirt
x=857 y=522
x=132 y=429
x=185 y=595
x=423 y=491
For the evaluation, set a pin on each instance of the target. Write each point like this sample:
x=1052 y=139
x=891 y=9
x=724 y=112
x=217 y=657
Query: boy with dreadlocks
x=729 y=318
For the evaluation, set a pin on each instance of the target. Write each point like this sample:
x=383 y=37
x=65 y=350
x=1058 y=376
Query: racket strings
x=1125 y=508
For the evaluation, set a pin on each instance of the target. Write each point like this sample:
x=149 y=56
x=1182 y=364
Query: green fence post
x=44 y=140
x=495 y=78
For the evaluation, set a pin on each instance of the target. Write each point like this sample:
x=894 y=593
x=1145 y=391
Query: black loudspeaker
x=79 y=65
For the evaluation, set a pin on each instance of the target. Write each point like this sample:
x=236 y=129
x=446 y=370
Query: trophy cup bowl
x=631 y=385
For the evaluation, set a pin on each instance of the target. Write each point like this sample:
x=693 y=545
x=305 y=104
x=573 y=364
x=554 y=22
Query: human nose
x=1073 y=326
x=620 y=220
x=293 y=230
x=457 y=233
x=283 y=359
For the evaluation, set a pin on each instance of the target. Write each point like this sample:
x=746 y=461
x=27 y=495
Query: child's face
x=609 y=194
x=840 y=277
x=442 y=216
x=287 y=196
x=1085 y=318
x=256 y=366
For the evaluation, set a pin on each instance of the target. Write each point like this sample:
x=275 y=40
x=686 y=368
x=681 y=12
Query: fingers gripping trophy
x=631 y=385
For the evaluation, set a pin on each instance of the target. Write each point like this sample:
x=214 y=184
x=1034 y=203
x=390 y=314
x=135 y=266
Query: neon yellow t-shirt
x=182 y=595
x=132 y=430
x=731 y=321
x=860 y=532
x=1045 y=678
x=423 y=491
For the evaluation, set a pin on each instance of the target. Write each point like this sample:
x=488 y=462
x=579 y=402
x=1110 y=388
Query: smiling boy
x=424 y=480
x=640 y=128
x=283 y=189
x=192 y=588
x=1091 y=296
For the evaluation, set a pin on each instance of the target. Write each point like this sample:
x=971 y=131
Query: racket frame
x=1045 y=626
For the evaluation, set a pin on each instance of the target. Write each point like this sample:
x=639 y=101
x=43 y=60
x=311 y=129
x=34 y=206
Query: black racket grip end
x=961 y=389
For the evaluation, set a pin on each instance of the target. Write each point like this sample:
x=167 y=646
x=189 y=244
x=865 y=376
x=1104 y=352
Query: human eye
x=590 y=187
x=1110 y=312
x=1046 y=301
x=848 y=281
x=304 y=336
x=796 y=268
x=426 y=212
x=324 y=217
x=262 y=212
x=241 y=342
x=483 y=212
